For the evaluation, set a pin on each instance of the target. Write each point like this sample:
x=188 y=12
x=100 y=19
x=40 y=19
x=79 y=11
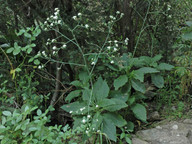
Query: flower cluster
x=53 y=20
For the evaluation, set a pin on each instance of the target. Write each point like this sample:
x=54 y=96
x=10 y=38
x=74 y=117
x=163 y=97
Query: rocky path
x=169 y=133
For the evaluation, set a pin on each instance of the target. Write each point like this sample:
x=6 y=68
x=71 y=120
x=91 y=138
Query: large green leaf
x=187 y=36
x=115 y=105
x=100 y=89
x=146 y=70
x=86 y=94
x=139 y=75
x=157 y=80
x=120 y=81
x=164 y=66
x=119 y=95
x=109 y=129
x=140 y=112
x=106 y=102
x=115 y=118
x=157 y=58
x=138 y=86
x=72 y=95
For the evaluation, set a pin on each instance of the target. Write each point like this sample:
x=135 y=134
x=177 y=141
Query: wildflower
x=115 y=49
x=98 y=131
x=86 y=26
x=115 y=41
x=45 y=29
x=59 y=22
x=117 y=12
x=75 y=17
x=109 y=41
x=64 y=46
x=93 y=128
x=97 y=106
x=45 y=22
x=47 y=19
x=83 y=121
x=43 y=52
x=108 y=47
x=88 y=116
x=79 y=14
x=51 y=24
x=122 y=14
x=54 y=52
x=97 y=120
x=112 y=62
x=87 y=132
x=51 y=16
x=39 y=67
x=56 y=9
x=54 y=48
x=116 y=45
x=111 y=17
x=70 y=112
x=93 y=63
x=53 y=40
x=55 y=17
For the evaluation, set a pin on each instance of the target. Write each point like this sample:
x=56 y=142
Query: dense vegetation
x=83 y=71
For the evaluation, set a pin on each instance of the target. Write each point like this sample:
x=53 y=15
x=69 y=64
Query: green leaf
x=146 y=70
x=84 y=77
x=157 y=58
x=164 y=66
x=140 y=112
x=76 y=83
x=72 y=95
x=7 y=113
x=187 y=36
x=74 y=107
x=118 y=95
x=128 y=140
x=130 y=126
x=115 y=105
x=20 y=32
x=86 y=94
x=16 y=51
x=100 y=89
x=157 y=80
x=189 y=23
x=36 y=32
x=109 y=129
x=116 y=119
x=120 y=81
x=39 y=112
x=36 y=62
x=138 y=86
x=139 y=75
x=10 y=50
x=27 y=35
x=31 y=59
x=29 y=50
x=106 y=102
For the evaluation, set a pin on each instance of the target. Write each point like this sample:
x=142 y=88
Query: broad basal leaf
x=100 y=89
x=138 y=86
x=139 y=75
x=120 y=81
x=115 y=118
x=157 y=80
x=187 y=36
x=86 y=94
x=72 y=95
x=146 y=70
x=74 y=107
x=109 y=129
x=140 y=112
x=164 y=66
x=115 y=105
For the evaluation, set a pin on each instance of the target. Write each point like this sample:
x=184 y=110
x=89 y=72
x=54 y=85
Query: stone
x=154 y=116
x=175 y=127
x=138 y=141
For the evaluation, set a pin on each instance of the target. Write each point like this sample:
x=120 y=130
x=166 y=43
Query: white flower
x=56 y=9
x=59 y=22
x=81 y=109
x=47 y=43
x=79 y=14
x=64 y=46
x=117 y=12
x=53 y=40
x=51 y=24
x=108 y=47
x=54 y=52
x=45 y=29
x=122 y=14
x=70 y=111
x=87 y=132
x=111 y=16
x=98 y=131
x=115 y=41
x=86 y=26
x=45 y=22
x=55 y=17
x=97 y=120
x=96 y=106
x=39 y=67
x=48 y=19
x=75 y=17
x=88 y=116
x=83 y=121
x=54 y=48
x=93 y=63
x=93 y=128
x=116 y=45
x=114 y=18
x=51 y=16
x=109 y=41
x=115 y=49
x=43 y=52
x=112 y=62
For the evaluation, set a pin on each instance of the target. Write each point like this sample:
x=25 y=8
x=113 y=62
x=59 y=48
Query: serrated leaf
x=100 y=89
x=72 y=95
x=118 y=95
x=7 y=113
x=157 y=80
x=139 y=75
x=84 y=77
x=86 y=94
x=157 y=58
x=164 y=66
x=10 y=50
x=109 y=129
x=116 y=119
x=146 y=70
x=36 y=62
x=120 y=81
x=138 y=86
x=115 y=105
x=106 y=102
x=140 y=112
x=76 y=83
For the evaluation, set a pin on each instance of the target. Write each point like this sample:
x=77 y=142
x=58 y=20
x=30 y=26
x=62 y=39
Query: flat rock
x=169 y=133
